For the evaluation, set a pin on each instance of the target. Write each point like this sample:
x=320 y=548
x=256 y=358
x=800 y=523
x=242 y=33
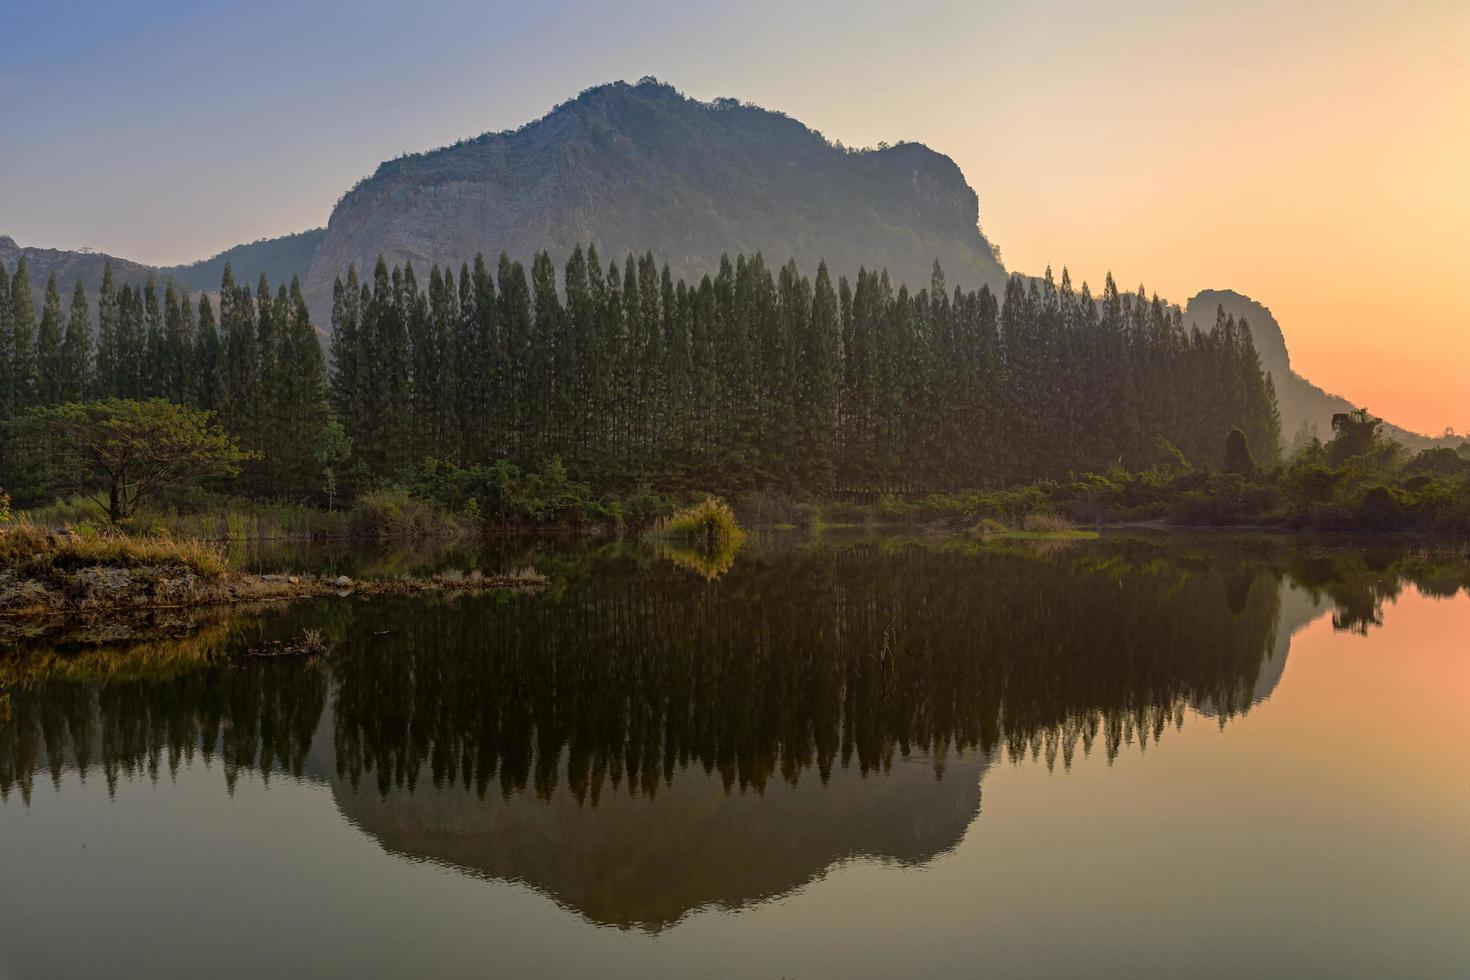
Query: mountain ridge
x=279 y=258
x=640 y=167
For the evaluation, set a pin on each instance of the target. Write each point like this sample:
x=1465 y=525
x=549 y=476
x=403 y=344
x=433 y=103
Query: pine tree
x=207 y=390
x=176 y=370
x=104 y=383
x=820 y=369
x=154 y=362
x=50 y=357
x=22 y=352
x=77 y=349
x=7 y=352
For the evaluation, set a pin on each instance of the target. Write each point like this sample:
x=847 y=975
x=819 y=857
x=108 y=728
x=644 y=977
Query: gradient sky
x=1314 y=155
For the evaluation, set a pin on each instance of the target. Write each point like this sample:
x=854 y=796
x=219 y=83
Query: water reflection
x=644 y=740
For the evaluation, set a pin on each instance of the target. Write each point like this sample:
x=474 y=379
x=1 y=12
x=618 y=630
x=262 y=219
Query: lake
x=1146 y=755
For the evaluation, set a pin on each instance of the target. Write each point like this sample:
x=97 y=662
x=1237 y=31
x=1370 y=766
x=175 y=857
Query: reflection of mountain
x=645 y=861
x=1299 y=609
x=639 y=742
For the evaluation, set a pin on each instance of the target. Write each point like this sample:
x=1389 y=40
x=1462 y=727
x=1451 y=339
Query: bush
x=644 y=506
x=1384 y=509
x=988 y=527
x=710 y=523
x=396 y=513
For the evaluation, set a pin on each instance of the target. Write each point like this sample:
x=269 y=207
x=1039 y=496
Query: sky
x=1313 y=155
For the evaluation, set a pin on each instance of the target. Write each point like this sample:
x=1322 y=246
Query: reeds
x=23 y=543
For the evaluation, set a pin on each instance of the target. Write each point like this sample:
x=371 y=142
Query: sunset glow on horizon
x=1315 y=157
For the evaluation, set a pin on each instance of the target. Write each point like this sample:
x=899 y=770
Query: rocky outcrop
x=641 y=167
x=1300 y=401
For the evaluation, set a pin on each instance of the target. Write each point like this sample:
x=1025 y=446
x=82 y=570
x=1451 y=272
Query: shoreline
x=60 y=598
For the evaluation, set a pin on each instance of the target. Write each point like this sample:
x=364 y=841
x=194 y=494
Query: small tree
x=1238 y=458
x=1356 y=434
x=333 y=447
x=117 y=452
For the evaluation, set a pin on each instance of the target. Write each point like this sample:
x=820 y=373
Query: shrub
x=710 y=523
x=396 y=513
x=989 y=526
x=644 y=506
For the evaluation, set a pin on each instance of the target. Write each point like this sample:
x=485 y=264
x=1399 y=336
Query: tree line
x=751 y=378
x=596 y=690
x=256 y=363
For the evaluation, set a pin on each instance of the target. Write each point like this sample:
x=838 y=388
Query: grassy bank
x=70 y=578
x=34 y=550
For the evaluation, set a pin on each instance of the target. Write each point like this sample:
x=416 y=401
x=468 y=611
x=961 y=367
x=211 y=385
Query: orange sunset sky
x=1313 y=155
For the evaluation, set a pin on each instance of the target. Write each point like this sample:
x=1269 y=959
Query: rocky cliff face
x=641 y=167
x=1300 y=401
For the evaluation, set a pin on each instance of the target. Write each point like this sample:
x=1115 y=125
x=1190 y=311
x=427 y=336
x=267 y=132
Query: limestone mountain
x=638 y=167
x=1300 y=401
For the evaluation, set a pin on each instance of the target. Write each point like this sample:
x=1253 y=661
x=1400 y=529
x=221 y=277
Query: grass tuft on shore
x=25 y=544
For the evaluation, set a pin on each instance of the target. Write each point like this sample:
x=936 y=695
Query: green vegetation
x=395 y=513
x=603 y=397
x=710 y=523
x=753 y=380
x=118 y=452
x=1359 y=481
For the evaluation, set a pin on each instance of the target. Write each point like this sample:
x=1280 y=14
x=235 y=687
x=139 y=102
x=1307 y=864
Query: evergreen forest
x=751 y=379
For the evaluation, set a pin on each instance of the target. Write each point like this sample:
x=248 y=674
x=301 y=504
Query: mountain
x=279 y=258
x=640 y=167
x=69 y=267
x=1300 y=401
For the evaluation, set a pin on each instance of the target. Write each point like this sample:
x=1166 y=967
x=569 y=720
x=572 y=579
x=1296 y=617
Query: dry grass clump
x=311 y=643
x=519 y=578
x=1047 y=524
x=25 y=544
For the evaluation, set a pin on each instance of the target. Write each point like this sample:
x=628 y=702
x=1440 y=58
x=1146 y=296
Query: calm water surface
x=1155 y=757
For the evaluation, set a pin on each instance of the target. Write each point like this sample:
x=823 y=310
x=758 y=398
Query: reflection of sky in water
x=1321 y=830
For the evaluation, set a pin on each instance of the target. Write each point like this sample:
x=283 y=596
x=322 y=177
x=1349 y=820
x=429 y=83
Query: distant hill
x=1299 y=400
x=642 y=167
x=279 y=258
x=69 y=267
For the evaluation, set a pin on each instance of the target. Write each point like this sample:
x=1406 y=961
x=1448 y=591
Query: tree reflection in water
x=643 y=724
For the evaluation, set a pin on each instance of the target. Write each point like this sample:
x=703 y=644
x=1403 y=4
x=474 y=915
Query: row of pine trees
x=753 y=378
x=750 y=378
x=258 y=365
